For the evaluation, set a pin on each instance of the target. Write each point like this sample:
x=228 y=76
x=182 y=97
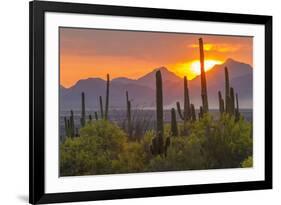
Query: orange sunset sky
x=88 y=53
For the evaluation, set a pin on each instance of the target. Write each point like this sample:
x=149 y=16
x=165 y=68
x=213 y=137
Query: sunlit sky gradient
x=88 y=53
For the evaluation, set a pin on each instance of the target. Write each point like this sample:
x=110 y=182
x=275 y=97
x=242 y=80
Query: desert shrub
x=94 y=151
x=182 y=154
x=130 y=160
x=248 y=162
x=104 y=148
x=224 y=143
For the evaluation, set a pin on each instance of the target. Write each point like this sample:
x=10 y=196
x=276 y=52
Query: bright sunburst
x=192 y=69
x=209 y=64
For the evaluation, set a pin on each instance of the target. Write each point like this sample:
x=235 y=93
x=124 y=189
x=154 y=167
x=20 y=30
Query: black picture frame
x=37 y=10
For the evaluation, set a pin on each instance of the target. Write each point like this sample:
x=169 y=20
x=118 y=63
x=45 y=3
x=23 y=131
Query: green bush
x=248 y=162
x=94 y=151
x=103 y=148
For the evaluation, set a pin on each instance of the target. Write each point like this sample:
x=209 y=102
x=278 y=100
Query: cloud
x=219 y=47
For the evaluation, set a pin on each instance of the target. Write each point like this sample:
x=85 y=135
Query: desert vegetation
x=196 y=141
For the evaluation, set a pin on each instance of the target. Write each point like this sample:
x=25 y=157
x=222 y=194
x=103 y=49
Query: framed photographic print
x=140 y=102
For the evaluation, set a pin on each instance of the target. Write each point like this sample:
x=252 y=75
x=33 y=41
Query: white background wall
x=14 y=44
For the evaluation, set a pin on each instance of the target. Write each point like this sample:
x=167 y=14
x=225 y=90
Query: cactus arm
x=179 y=111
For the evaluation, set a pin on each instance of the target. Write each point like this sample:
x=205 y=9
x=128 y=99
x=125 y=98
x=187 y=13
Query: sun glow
x=192 y=69
x=209 y=64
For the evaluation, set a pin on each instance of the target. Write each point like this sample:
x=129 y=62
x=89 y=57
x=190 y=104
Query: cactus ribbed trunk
x=72 y=126
x=186 y=114
x=101 y=108
x=193 y=114
x=107 y=97
x=221 y=103
x=83 y=114
x=159 y=113
x=227 y=91
x=174 y=125
x=159 y=103
x=232 y=102
x=129 y=126
x=186 y=101
x=204 y=93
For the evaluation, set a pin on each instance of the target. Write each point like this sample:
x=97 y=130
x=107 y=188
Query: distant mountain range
x=142 y=90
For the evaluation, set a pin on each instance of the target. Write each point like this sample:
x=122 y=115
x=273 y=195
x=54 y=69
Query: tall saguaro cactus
x=227 y=91
x=186 y=100
x=83 y=114
x=157 y=146
x=221 y=103
x=204 y=93
x=159 y=103
x=128 y=103
x=107 y=98
x=104 y=112
x=174 y=125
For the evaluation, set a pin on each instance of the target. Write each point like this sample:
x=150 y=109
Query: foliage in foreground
x=103 y=148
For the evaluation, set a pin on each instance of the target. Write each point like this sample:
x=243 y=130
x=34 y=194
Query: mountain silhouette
x=142 y=90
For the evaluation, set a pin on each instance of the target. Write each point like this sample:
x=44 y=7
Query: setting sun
x=209 y=64
x=192 y=69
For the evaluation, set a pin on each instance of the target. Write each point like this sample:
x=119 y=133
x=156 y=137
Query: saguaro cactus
x=237 y=112
x=221 y=103
x=101 y=108
x=129 y=125
x=69 y=125
x=201 y=113
x=186 y=115
x=72 y=125
x=227 y=91
x=159 y=104
x=186 y=100
x=104 y=113
x=107 y=98
x=232 y=102
x=204 y=93
x=193 y=114
x=167 y=144
x=174 y=125
x=83 y=114
x=157 y=146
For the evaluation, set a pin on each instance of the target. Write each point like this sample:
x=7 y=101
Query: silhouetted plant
x=204 y=93
x=83 y=114
x=174 y=125
x=129 y=122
